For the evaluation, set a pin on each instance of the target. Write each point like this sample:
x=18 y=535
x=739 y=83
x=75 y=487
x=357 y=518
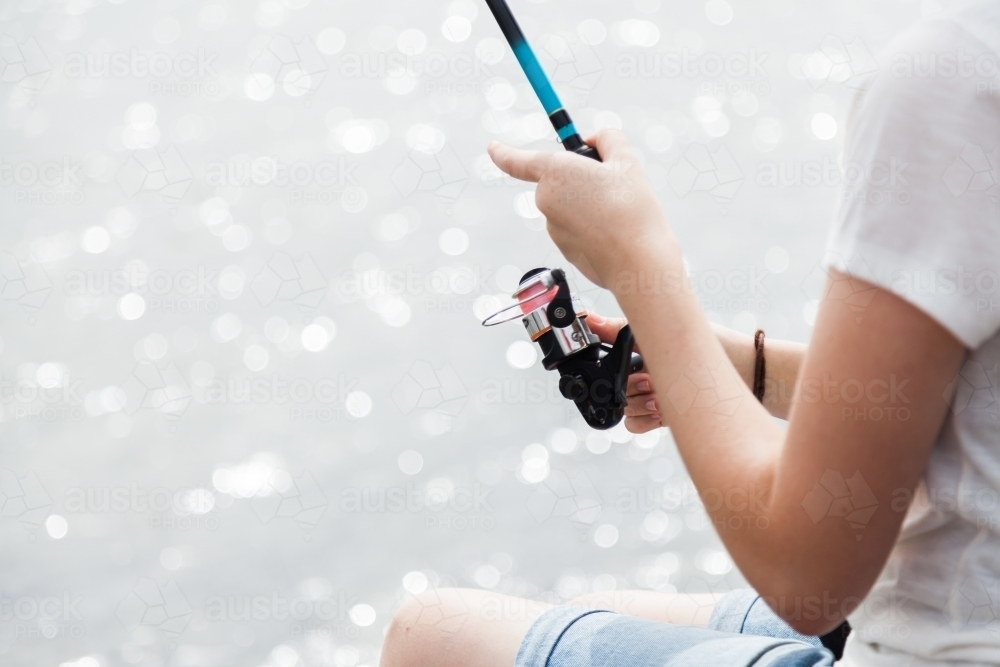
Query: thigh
x=676 y=608
x=575 y=636
x=456 y=627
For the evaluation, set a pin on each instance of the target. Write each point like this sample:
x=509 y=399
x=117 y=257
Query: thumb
x=522 y=165
x=606 y=328
x=611 y=143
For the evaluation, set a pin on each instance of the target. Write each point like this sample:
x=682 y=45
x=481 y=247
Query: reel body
x=594 y=375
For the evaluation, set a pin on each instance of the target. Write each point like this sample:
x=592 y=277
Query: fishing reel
x=594 y=375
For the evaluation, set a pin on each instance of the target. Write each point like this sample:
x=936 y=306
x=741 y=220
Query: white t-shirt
x=920 y=218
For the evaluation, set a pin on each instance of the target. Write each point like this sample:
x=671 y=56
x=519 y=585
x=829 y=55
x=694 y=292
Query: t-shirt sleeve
x=919 y=213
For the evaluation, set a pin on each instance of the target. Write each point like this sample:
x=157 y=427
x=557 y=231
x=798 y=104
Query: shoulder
x=944 y=56
x=937 y=88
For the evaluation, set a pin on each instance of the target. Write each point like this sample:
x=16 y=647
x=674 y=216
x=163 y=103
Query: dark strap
x=836 y=638
x=759 y=367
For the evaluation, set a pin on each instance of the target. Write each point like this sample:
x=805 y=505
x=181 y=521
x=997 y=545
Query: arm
x=783 y=361
x=783 y=358
x=759 y=482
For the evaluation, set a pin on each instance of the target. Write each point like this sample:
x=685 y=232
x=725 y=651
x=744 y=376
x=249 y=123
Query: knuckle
x=545 y=200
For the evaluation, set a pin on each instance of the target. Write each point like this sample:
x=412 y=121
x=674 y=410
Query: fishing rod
x=547 y=95
x=592 y=374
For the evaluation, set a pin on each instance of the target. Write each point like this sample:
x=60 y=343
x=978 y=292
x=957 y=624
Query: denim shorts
x=743 y=631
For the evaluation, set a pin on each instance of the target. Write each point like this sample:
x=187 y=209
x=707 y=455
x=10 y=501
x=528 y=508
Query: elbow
x=814 y=584
x=809 y=609
x=816 y=628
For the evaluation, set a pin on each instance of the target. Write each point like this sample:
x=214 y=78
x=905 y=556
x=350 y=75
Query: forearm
x=729 y=443
x=783 y=359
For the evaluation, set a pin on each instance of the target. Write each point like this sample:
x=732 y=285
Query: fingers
x=610 y=143
x=641 y=405
x=606 y=328
x=644 y=424
x=642 y=412
x=639 y=383
x=522 y=165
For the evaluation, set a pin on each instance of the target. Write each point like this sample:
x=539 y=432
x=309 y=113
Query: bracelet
x=759 y=368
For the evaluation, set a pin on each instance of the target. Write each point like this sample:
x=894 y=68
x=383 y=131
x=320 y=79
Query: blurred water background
x=247 y=405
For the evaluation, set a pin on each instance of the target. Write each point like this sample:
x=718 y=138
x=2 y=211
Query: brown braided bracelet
x=759 y=368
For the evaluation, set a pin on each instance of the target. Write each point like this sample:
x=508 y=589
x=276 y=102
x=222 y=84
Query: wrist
x=739 y=348
x=647 y=267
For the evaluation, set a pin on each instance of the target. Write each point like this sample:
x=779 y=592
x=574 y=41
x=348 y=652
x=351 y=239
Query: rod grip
x=589 y=151
x=575 y=144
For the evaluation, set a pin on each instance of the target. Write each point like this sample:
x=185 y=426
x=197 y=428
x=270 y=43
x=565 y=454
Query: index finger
x=522 y=165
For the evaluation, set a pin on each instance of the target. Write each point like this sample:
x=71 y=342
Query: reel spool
x=593 y=374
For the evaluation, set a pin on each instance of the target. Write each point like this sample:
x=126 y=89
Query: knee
x=399 y=633
x=595 y=601
x=410 y=639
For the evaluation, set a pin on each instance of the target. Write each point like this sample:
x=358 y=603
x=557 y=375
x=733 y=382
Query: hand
x=642 y=413
x=602 y=215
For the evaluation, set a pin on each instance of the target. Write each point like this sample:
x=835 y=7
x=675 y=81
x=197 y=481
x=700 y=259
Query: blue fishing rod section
x=560 y=119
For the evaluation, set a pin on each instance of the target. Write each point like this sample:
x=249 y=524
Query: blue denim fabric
x=744 y=612
x=582 y=637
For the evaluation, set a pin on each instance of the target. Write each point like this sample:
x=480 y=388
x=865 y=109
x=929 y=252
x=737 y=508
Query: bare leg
x=676 y=608
x=457 y=627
